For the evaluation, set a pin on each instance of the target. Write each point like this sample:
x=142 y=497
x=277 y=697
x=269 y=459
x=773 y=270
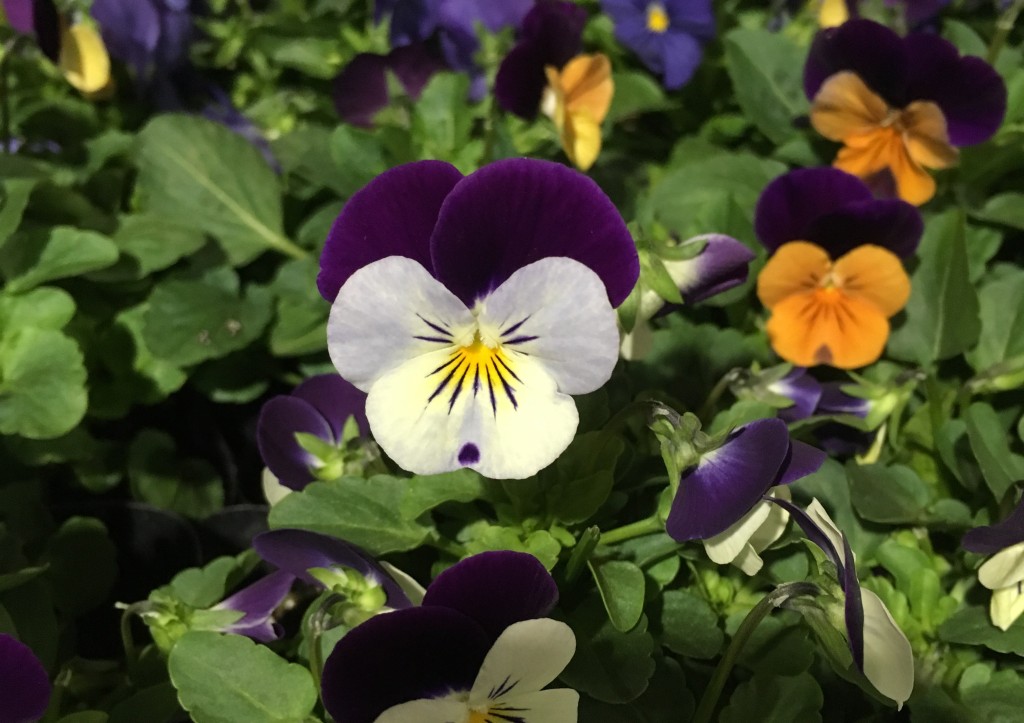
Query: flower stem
x=716 y=392
x=1003 y=27
x=776 y=598
x=633 y=529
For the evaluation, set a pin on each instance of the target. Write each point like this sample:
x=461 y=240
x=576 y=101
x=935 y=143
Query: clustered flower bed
x=458 y=361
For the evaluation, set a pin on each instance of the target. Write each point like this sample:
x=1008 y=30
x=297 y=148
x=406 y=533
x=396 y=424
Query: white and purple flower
x=470 y=308
x=478 y=649
x=1003 y=572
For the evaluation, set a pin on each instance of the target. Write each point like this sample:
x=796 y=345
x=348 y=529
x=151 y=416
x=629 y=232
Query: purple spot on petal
x=469 y=454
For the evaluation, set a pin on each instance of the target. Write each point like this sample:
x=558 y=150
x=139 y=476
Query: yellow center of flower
x=477 y=716
x=876 y=137
x=657 y=18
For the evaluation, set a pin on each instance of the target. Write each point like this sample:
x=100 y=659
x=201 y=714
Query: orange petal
x=586 y=81
x=913 y=184
x=874 y=274
x=926 y=136
x=869 y=153
x=796 y=267
x=845 y=106
x=827 y=327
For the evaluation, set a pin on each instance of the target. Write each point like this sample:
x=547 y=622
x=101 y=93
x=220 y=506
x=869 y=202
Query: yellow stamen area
x=473 y=370
x=826 y=312
x=478 y=717
x=578 y=99
x=83 y=58
x=657 y=18
x=876 y=136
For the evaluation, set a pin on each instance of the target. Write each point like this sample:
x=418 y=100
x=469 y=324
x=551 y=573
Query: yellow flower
x=577 y=99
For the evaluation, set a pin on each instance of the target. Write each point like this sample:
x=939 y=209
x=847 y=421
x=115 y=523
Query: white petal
x=412 y=589
x=1004 y=568
x=503 y=432
x=748 y=560
x=383 y=316
x=820 y=517
x=725 y=546
x=1006 y=606
x=526 y=656
x=557 y=311
x=273 y=490
x=434 y=710
x=775 y=525
x=560 y=705
x=888 y=659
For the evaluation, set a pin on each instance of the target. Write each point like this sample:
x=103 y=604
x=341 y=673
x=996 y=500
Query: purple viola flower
x=360 y=91
x=299 y=552
x=472 y=364
x=668 y=35
x=551 y=34
x=26 y=686
x=38 y=18
x=151 y=36
x=729 y=481
x=457 y=25
x=320 y=407
x=836 y=211
x=804 y=391
x=258 y=602
x=480 y=647
x=722 y=264
x=412 y=21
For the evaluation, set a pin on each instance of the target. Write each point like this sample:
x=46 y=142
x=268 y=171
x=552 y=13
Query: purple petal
x=411 y=20
x=988 y=539
x=919 y=12
x=336 y=400
x=802 y=460
x=422 y=652
x=496 y=589
x=803 y=389
x=19 y=15
x=969 y=91
x=494 y=16
x=130 y=30
x=729 y=481
x=835 y=401
x=872 y=51
x=414 y=65
x=258 y=601
x=280 y=418
x=681 y=53
x=854 y=607
x=721 y=265
x=695 y=17
x=519 y=85
x=517 y=211
x=791 y=204
x=360 y=90
x=814 y=533
x=298 y=551
x=887 y=222
x=24 y=682
x=393 y=215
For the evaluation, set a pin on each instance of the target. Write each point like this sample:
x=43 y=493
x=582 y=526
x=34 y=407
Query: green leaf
x=990 y=443
x=888 y=494
x=942 y=316
x=16 y=192
x=230 y=679
x=621 y=586
x=424 y=493
x=580 y=480
x=1005 y=208
x=635 y=93
x=204 y=174
x=442 y=122
x=161 y=477
x=83 y=565
x=153 y=243
x=358 y=158
x=364 y=512
x=767 y=697
x=609 y=665
x=201 y=587
x=42 y=383
x=689 y=626
x=995 y=697
x=301 y=323
x=971 y=626
x=189 y=321
x=156 y=704
x=43 y=308
x=30 y=259
x=1002 y=321
x=766 y=70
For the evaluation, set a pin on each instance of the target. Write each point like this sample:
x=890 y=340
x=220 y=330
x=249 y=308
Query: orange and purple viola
x=836 y=276
x=904 y=106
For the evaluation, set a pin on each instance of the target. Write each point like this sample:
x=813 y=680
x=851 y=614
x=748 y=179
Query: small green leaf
x=425 y=492
x=767 y=697
x=230 y=679
x=164 y=479
x=1002 y=321
x=580 y=480
x=83 y=565
x=358 y=158
x=888 y=494
x=30 y=259
x=14 y=199
x=621 y=585
x=689 y=626
x=635 y=93
x=990 y=443
x=152 y=243
x=43 y=308
x=972 y=626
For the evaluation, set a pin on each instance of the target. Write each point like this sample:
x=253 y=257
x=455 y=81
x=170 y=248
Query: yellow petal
x=83 y=58
x=796 y=267
x=827 y=327
x=581 y=139
x=874 y=274
x=845 y=106
x=913 y=184
x=866 y=154
x=586 y=82
x=926 y=135
x=833 y=13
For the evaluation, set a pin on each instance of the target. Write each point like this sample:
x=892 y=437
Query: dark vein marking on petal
x=512 y=329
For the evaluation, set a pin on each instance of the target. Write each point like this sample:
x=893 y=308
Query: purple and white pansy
x=469 y=308
x=26 y=686
x=470 y=652
x=1003 y=572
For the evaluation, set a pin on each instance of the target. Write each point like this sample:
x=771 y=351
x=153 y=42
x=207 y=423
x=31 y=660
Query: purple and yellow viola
x=835 y=276
x=904 y=106
x=469 y=308
x=479 y=648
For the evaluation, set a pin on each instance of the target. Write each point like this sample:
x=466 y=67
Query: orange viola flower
x=827 y=311
x=577 y=99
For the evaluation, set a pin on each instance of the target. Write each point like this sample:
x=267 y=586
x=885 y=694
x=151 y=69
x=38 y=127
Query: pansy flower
x=915 y=13
x=802 y=389
x=26 y=686
x=478 y=649
x=729 y=481
x=577 y=99
x=151 y=36
x=317 y=411
x=835 y=277
x=742 y=543
x=668 y=35
x=904 y=106
x=879 y=648
x=1003 y=572
x=470 y=308
x=360 y=90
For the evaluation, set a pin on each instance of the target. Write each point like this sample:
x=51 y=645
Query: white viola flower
x=1003 y=573
x=471 y=308
x=743 y=542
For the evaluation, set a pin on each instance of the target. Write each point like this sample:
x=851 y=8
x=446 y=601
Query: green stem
x=316 y=627
x=634 y=529
x=1003 y=27
x=619 y=419
x=776 y=598
x=131 y=653
x=716 y=393
x=451 y=548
